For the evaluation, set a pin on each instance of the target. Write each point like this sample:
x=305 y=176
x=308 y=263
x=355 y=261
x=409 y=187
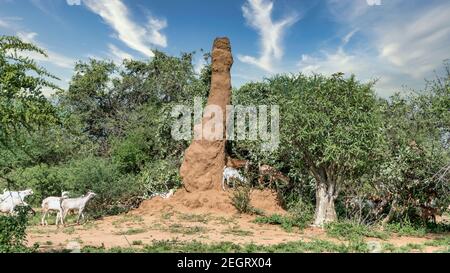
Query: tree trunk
x=325 y=197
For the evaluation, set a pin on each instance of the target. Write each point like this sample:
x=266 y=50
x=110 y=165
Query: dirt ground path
x=160 y=220
x=128 y=229
x=124 y=229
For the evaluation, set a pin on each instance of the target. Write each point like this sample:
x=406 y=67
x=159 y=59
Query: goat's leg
x=63 y=217
x=82 y=215
x=65 y=211
x=43 y=218
x=57 y=219
x=47 y=213
x=79 y=216
x=60 y=217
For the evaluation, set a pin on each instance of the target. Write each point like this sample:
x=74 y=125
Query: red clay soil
x=212 y=201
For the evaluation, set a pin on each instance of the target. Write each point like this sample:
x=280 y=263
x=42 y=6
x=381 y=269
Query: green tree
x=162 y=79
x=331 y=130
x=22 y=104
x=23 y=107
x=333 y=126
x=92 y=99
x=105 y=97
x=416 y=131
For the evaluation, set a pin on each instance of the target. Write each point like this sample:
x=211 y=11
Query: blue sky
x=398 y=42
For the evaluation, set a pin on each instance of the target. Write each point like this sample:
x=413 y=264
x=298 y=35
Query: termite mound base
x=210 y=201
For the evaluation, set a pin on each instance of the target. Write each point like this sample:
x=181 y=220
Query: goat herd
x=9 y=200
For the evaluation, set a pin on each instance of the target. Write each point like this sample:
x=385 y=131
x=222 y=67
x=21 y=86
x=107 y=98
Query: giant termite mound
x=205 y=158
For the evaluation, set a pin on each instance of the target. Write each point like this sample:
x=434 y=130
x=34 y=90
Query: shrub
x=300 y=215
x=406 y=228
x=241 y=198
x=12 y=235
x=131 y=153
x=115 y=192
x=160 y=176
x=286 y=222
x=352 y=231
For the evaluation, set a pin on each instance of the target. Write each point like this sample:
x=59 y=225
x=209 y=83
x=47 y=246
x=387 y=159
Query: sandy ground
x=185 y=220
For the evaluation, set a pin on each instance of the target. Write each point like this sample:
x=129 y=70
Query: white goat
x=76 y=204
x=231 y=173
x=168 y=194
x=16 y=194
x=53 y=203
x=11 y=199
x=164 y=195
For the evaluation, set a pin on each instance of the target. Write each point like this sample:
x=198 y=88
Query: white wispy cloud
x=404 y=44
x=366 y=66
x=346 y=39
x=348 y=10
x=258 y=14
x=419 y=43
x=118 y=55
x=138 y=37
x=53 y=58
x=10 y=22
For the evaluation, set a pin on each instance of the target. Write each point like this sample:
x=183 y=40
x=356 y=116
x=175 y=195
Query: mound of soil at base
x=211 y=201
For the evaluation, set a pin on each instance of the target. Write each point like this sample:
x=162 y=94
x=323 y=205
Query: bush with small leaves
x=12 y=235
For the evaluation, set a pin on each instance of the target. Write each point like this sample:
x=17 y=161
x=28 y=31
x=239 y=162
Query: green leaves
x=13 y=236
x=415 y=150
x=105 y=96
x=330 y=121
x=22 y=105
